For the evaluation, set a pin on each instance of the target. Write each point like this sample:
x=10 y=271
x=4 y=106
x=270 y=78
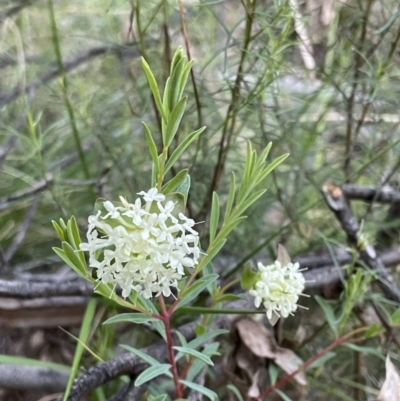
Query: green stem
x=160 y=177
x=64 y=87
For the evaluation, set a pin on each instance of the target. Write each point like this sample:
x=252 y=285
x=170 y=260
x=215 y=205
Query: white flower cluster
x=278 y=288
x=140 y=249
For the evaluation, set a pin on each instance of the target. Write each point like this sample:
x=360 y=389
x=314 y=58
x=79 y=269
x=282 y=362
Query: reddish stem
x=170 y=346
x=303 y=367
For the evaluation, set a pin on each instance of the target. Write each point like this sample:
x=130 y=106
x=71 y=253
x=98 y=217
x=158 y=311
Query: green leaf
x=161 y=397
x=275 y=163
x=214 y=219
x=365 y=350
x=395 y=318
x=182 y=147
x=211 y=253
x=19 y=360
x=142 y=355
x=174 y=87
x=137 y=318
x=184 y=78
x=229 y=297
x=74 y=258
x=207 y=271
x=195 y=289
x=245 y=204
x=205 y=337
x=173 y=184
x=152 y=147
x=194 y=353
x=73 y=233
x=231 y=197
x=184 y=187
x=174 y=121
x=322 y=360
x=166 y=108
x=176 y=58
x=226 y=229
x=59 y=231
x=146 y=304
x=63 y=225
x=210 y=350
x=203 y=390
x=374 y=330
x=329 y=314
x=75 y=238
x=62 y=255
x=83 y=337
x=248 y=278
x=235 y=391
x=151 y=373
x=154 y=87
x=200 y=310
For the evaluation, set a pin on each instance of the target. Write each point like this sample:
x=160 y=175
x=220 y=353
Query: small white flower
x=278 y=288
x=141 y=250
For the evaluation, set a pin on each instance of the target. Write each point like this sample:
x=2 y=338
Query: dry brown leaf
x=261 y=342
x=257 y=338
x=288 y=361
x=390 y=390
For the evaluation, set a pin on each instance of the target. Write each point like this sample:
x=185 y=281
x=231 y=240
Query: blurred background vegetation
x=318 y=78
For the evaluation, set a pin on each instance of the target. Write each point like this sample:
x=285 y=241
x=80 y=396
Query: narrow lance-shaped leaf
x=211 y=253
x=174 y=88
x=166 y=108
x=83 y=337
x=184 y=187
x=214 y=219
x=226 y=229
x=194 y=353
x=176 y=58
x=154 y=87
x=63 y=256
x=131 y=318
x=275 y=163
x=184 y=78
x=231 y=197
x=174 y=121
x=195 y=289
x=59 y=231
x=208 y=270
x=182 y=147
x=151 y=373
x=205 y=337
x=263 y=157
x=174 y=183
x=246 y=204
x=142 y=355
x=197 y=366
x=203 y=390
x=73 y=232
x=73 y=257
x=152 y=147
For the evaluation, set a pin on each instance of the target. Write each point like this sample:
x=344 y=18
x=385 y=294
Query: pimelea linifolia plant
x=146 y=251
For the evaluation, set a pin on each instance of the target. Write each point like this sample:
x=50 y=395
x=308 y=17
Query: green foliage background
x=339 y=122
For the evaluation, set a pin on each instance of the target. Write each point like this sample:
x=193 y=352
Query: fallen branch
x=337 y=202
x=385 y=194
x=19 y=377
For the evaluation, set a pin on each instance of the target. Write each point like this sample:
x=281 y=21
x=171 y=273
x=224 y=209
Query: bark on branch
x=339 y=205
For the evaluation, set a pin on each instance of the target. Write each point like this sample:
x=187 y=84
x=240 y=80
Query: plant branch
x=338 y=204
